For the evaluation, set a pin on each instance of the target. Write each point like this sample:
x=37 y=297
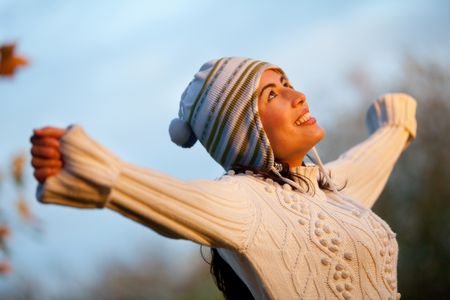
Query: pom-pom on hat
x=219 y=107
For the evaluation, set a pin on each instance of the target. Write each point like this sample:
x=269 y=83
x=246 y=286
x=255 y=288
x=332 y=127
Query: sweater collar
x=309 y=172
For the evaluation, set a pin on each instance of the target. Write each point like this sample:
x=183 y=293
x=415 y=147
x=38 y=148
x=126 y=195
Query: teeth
x=303 y=119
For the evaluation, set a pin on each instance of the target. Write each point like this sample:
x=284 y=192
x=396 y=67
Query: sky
x=118 y=68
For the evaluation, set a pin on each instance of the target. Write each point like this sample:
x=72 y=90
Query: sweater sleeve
x=365 y=168
x=213 y=213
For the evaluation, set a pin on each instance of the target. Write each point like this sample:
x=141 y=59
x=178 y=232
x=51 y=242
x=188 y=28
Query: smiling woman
x=284 y=112
x=275 y=231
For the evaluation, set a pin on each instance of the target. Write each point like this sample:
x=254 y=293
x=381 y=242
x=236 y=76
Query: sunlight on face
x=284 y=113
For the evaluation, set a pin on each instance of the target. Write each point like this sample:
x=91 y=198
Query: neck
x=295 y=162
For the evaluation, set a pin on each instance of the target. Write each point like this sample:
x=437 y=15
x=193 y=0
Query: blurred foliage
x=154 y=277
x=17 y=168
x=416 y=200
x=153 y=274
x=9 y=61
x=22 y=209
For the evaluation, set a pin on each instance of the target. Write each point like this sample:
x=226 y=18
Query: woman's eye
x=271 y=95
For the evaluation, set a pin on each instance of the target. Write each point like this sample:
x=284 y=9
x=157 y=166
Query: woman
x=285 y=228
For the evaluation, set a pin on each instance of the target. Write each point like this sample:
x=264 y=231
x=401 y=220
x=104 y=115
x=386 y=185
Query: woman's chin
x=318 y=134
x=321 y=134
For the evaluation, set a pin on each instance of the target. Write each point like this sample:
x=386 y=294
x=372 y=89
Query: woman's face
x=284 y=113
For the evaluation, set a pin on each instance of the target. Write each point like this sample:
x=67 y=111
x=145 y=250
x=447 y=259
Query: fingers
x=49 y=132
x=45 y=152
x=45 y=141
x=42 y=174
x=46 y=163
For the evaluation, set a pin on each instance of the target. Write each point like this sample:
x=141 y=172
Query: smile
x=305 y=119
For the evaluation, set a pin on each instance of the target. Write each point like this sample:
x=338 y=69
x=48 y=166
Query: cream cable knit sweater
x=282 y=243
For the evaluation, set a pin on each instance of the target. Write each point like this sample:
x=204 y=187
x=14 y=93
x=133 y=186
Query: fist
x=45 y=151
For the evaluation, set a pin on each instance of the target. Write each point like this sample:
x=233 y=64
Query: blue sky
x=118 y=68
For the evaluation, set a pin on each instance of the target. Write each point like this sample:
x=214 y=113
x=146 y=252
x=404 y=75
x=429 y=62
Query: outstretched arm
x=366 y=167
x=213 y=213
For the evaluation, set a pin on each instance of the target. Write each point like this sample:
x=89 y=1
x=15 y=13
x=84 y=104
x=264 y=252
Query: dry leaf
x=5 y=267
x=18 y=164
x=24 y=210
x=9 y=62
x=4 y=231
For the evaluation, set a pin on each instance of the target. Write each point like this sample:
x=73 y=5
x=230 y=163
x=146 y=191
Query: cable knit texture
x=283 y=244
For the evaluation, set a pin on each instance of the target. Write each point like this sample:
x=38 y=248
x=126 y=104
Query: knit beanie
x=219 y=108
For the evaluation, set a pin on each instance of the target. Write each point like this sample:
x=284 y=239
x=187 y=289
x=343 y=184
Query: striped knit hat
x=220 y=108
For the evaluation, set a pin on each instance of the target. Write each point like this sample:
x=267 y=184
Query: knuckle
x=49 y=152
x=47 y=172
x=34 y=162
x=37 y=174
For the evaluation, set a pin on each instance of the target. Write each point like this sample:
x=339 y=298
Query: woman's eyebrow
x=283 y=78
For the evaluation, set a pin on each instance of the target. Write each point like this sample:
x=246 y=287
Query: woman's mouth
x=305 y=119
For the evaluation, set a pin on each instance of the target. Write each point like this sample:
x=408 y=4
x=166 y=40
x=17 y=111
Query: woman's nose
x=296 y=97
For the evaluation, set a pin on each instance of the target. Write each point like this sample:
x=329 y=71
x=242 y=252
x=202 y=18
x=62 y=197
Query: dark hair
x=285 y=172
x=227 y=281
x=231 y=285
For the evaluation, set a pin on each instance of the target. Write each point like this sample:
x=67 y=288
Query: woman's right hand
x=46 y=154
